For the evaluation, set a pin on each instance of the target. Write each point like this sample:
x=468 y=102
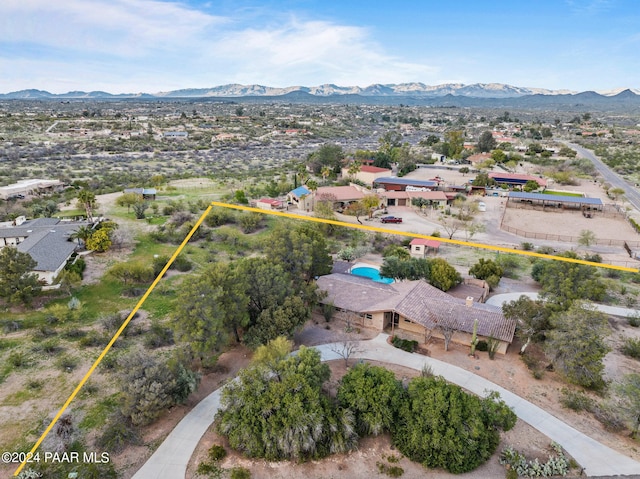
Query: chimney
x=469 y=302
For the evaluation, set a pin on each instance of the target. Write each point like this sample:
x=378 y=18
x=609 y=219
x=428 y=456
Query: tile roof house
x=415 y=309
x=300 y=197
x=368 y=174
x=46 y=240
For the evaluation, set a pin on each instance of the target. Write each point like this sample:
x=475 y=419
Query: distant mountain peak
x=415 y=90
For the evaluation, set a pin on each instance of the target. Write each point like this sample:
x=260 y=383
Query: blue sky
x=151 y=45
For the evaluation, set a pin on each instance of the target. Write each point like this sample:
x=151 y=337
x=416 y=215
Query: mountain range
x=414 y=90
x=452 y=95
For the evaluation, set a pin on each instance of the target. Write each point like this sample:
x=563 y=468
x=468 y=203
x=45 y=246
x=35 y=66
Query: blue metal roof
x=558 y=199
x=405 y=181
x=300 y=191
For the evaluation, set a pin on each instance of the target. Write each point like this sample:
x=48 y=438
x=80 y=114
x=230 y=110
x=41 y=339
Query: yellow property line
x=113 y=339
x=417 y=235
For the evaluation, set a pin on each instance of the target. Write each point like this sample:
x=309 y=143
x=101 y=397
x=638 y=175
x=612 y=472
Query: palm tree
x=82 y=233
x=325 y=172
x=87 y=200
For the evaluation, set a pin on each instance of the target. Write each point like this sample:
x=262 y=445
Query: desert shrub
x=526 y=246
x=19 y=359
x=546 y=250
x=239 y=473
x=557 y=465
x=93 y=339
x=67 y=363
x=609 y=417
x=327 y=311
x=158 y=264
x=117 y=434
x=217 y=452
x=631 y=348
x=158 y=336
x=634 y=321
x=575 y=400
x=111 y=322
x=404 y=344
x=182 y=264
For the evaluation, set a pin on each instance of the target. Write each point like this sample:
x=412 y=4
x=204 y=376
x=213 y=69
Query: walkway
x=499 y=299
x=171 y=458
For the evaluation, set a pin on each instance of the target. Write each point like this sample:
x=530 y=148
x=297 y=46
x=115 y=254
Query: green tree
x=464 y=170
x=532 y=319
x=278 y=411
x=586 y=238
x=576 y=344
x=441 y=426
x=374 y=395
x=499 y=156
x=276 y=321
x=482 y=179
x=83 y=233
x=531 y=185
x=396 y=250
x=488 y=270
x=199 y=319
x=357 y=209
x=629 y=392
x=563 y=282
x=128 y=200
x=353 y=169
x=150 y=385
x=302 y=251
x=371 y=202
x=455 y=139
x=87 y=200
x=139 y=209
x=442 y=275
x=486 y=142
x=18 y=285
x=328 y=155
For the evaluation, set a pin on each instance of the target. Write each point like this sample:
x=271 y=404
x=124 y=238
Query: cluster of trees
x=572 y=334
x=277 y=410
x=254 y=300
x=18 y=285
x=437 y=271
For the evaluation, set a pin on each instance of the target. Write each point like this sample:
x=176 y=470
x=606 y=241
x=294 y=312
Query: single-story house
x=146 y=193
x=175 y=135
x=367 y=174
x=268 y=204
x=300 y=198
x=516 y=179
x=421 y=246
x=478 y=158
x=415 y=309
x=403 y=198
x=340 y=196
x=26 y=187
x=46 y=240
x=392 y=183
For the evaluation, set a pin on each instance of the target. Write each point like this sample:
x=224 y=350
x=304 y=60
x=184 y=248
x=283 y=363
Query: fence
x=567 y=238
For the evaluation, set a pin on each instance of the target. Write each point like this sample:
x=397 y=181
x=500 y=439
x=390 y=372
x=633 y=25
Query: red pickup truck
x=391 y=219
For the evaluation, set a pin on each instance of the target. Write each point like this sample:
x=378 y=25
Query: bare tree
x=345 y=350
x=447 y=327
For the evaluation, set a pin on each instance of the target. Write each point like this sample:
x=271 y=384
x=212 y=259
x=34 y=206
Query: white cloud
x=314 y=52
x=118 y=27
x=151 y=45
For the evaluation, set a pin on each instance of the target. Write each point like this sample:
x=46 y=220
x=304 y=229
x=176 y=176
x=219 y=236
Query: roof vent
x=469 y=301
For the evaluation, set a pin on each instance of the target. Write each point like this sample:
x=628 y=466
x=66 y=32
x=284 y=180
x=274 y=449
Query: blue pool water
x=371 y=273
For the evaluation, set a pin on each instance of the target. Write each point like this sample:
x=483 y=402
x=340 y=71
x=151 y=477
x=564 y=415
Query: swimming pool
x=371 y=273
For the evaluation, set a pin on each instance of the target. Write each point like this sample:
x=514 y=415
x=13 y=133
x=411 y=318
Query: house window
x=368 y=316
x=417 y=248
x=407 y=320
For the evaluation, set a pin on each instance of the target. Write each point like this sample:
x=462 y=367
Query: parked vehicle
x=391 y=219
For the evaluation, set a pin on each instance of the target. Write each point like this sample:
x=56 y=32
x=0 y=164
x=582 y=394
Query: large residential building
x=47 y=240
x=367 y=174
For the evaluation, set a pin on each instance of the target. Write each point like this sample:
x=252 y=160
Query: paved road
x=632 y=195
x=171 y=458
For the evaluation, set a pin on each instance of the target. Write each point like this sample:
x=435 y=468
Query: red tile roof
x=425 y=242
x=374 y=169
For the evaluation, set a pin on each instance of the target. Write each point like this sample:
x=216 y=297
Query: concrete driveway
x=171 y=458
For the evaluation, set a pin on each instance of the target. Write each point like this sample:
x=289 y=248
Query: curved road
x=632 y=195
x=170 y=459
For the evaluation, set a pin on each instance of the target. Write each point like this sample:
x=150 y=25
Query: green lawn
x=561 y=193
